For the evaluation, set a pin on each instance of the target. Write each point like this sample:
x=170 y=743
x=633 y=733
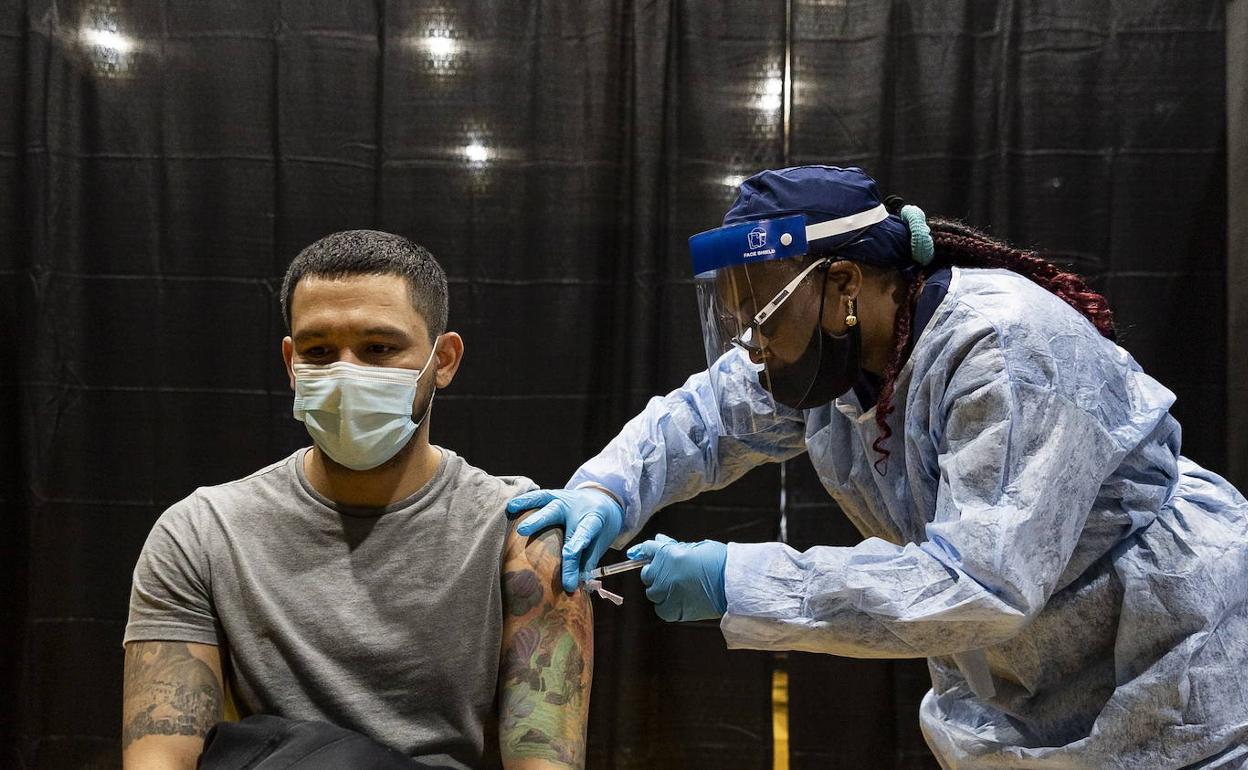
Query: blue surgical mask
x=360 y=416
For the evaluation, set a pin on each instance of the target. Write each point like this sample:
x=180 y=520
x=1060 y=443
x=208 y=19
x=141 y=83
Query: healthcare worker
x=1079 y=588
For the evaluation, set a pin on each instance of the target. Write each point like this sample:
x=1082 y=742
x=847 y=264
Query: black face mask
x=828 y=367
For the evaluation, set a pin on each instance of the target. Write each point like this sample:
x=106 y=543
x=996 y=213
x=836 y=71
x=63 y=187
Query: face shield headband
x=766 y=239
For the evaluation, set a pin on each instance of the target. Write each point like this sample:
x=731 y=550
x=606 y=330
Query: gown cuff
x=766 y=593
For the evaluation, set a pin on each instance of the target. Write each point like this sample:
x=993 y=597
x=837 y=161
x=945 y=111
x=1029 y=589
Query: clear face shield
x=761 y=303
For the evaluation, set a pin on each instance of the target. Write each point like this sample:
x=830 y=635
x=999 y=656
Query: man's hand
x=547 y=659
x=592 y=516
x=173 y=696
x=684 y=580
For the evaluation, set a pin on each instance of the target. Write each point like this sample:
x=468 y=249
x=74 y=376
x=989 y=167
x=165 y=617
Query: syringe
x=615 y=569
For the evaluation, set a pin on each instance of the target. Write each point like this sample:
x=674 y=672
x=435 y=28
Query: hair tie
x=921 y=247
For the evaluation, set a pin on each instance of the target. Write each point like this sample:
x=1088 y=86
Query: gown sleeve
x=675 y=448
x=1020 y=466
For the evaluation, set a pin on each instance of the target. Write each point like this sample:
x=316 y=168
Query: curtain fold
x=1237 y=241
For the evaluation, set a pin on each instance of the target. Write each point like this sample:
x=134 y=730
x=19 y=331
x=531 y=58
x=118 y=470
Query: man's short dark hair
x=372 y=252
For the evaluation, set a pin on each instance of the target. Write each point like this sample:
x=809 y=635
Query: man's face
x=362 y=319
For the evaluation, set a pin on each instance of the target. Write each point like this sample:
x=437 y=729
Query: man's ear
x=450 y=352
x=288 y=353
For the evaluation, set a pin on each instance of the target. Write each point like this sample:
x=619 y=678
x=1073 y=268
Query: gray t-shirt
x=385 y=621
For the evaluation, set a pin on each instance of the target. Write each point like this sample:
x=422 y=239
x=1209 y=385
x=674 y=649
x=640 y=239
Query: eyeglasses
x=744 y=340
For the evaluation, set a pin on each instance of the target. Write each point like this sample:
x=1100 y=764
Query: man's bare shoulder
x=540 y=551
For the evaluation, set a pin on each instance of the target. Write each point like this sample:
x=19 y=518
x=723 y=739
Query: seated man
x=369 y=581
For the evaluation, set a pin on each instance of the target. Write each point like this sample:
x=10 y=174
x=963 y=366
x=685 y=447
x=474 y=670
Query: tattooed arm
x=547 y=658
x=173 y=695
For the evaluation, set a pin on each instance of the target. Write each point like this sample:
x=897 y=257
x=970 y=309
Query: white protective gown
x=1078 y=587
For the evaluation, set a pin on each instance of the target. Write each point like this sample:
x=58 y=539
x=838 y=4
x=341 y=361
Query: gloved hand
x=591 y=520
x=685 y=580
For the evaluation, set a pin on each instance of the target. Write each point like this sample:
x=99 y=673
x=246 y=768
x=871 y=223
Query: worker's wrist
x=602 y=489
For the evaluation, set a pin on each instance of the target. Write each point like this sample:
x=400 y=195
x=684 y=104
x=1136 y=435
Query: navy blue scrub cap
x=822 y=193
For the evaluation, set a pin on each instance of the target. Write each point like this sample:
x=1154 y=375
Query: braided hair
x=957 y=244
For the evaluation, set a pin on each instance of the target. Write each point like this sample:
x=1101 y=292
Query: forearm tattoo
x=168 y=691
x=547 y=662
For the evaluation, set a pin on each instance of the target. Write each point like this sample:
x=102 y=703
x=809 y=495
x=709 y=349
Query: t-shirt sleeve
x=170 y=595
x=517 y=485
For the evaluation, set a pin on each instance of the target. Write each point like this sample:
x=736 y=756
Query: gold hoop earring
x=851 y=318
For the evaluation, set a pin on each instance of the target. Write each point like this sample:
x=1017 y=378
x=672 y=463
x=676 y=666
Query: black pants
x=267 y=742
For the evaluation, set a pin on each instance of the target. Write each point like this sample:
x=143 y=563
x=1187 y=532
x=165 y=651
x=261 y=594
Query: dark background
x=162 y=161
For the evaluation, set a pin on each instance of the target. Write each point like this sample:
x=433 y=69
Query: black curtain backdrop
x=161 y=162
x=1237 y=239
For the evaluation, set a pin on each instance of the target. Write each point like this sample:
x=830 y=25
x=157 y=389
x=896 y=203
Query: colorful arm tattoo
x=547 y=658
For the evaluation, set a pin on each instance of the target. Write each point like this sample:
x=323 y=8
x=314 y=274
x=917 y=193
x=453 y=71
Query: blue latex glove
x=685 y=580
x=591 y=520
